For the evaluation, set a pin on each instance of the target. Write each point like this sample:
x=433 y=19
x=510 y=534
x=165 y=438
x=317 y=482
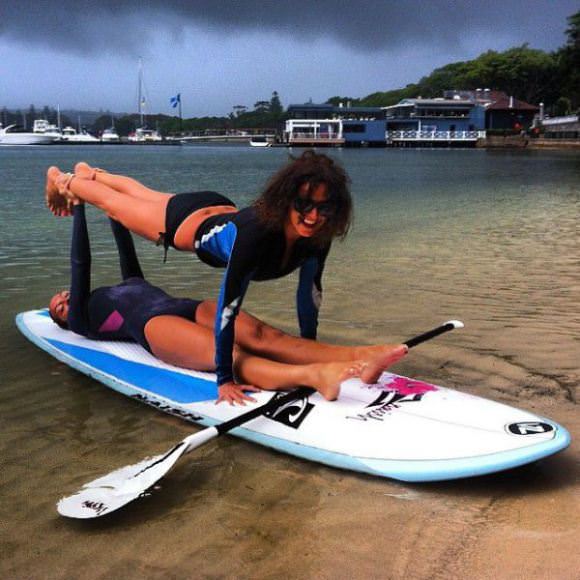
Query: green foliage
x=275 y=104
x=525 y=73
x=568 y=58
x=563 y=106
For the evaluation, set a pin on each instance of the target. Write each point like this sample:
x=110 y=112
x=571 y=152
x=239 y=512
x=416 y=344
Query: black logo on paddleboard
x=529 y=428
x=384 y=404
x=291 y=414
x=392 y=398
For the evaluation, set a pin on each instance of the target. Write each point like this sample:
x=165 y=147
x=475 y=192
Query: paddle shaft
x=302 y=392
x=430 y=334
x=272 y=404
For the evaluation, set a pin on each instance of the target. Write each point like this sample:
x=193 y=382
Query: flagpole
x=180 y=117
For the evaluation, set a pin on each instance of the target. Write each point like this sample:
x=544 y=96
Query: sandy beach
x=218 y=516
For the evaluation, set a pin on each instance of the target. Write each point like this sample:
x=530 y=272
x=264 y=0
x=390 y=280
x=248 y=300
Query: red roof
x=501 y=102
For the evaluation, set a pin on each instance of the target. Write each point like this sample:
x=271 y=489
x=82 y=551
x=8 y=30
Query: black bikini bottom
x=181 y=206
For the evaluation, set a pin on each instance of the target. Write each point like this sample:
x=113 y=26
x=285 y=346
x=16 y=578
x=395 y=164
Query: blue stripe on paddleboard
x=178 y=387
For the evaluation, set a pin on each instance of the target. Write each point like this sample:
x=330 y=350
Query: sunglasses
x=304 y=205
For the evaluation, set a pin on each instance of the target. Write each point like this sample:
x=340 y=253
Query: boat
x=110 y=135
x=143 y=135
x=43 y=127
x=260 y=141
x=15 y=135
x=70 y=135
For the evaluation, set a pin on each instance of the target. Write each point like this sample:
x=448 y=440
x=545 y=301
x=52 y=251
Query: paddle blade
x=111 y=492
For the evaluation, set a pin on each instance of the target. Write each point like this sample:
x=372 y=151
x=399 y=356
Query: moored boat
x=13 y=135
x=143 y=135
x=110 y=136
x=70 y=135
x=260 y=141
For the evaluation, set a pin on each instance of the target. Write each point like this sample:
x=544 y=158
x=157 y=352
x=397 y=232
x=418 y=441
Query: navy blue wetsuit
x=115 y=312
x=249 y=251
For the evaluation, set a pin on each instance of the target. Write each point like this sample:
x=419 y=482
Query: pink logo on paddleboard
x=113 y=323
x=405 y=386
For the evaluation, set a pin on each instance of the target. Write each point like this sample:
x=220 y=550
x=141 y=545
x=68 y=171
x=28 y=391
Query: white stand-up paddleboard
x=399 y=428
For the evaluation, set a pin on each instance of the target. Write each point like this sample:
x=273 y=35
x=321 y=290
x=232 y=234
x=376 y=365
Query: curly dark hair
x=313 y=169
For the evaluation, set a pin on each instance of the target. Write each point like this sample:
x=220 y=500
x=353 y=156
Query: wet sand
x=235 y=510
x=505 y=260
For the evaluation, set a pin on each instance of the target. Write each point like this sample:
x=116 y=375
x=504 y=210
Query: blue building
x=440 y=121
x=335 y=126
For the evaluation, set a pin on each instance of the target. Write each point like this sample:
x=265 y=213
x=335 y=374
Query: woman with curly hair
x=291 y=225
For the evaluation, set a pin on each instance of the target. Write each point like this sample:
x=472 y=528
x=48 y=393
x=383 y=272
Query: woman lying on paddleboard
x=291 y=225
x=178 y=330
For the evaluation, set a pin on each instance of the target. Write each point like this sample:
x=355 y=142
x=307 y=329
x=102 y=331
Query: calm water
x=487 y=237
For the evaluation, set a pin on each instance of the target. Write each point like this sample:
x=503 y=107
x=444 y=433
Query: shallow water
x=490 y=238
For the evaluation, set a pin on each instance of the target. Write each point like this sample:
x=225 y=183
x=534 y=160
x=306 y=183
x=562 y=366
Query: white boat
x=110 y=136
x=260 y=142
x=43 y=127
x=70 y=135
x=142 y=135
x=12 y=135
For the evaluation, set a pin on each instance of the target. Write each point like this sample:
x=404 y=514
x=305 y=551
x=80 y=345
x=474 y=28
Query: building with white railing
x=439 y=121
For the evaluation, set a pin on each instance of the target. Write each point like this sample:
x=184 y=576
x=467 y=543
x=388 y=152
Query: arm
x=130 y=267
x=309 y=293
x=234 y=285
x=80 y=263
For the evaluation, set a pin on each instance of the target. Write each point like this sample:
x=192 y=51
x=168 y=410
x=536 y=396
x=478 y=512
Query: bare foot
x=58 y=205
x=85 y=171
x=374 y=367
x=329 y=376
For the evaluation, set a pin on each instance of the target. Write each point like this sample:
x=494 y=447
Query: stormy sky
x=221 y=53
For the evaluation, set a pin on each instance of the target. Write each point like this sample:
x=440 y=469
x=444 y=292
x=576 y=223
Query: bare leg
x=261 y=339
x=145 y=218
x=119 y=183
x=183 y=343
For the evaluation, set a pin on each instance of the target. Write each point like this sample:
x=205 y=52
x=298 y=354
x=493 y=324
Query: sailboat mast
x=141 y=113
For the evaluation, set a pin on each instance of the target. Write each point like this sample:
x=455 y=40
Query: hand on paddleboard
x=234 y=393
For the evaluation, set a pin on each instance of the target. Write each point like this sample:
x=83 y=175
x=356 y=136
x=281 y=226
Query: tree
x=568 y=58
x=562 y=107
x=239 y=109
x=262 y=107
x=30 y=117
x=275 y=104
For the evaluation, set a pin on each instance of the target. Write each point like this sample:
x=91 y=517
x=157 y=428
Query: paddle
x=111 y=492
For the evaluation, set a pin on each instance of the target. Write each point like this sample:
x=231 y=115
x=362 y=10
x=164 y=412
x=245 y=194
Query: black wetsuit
x=116 y=312
x=249 y=251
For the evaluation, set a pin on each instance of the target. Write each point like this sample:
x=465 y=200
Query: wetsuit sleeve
x=130 y=267
x=309 y=294
x=80 y=264
x=238 y=274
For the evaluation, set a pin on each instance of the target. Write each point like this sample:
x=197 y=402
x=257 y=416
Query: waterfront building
x=316 y=125
x=440 y=121
x=504 y=112
x=567 y=128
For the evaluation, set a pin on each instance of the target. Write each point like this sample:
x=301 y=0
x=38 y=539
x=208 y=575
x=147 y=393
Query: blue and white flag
x=175 y=100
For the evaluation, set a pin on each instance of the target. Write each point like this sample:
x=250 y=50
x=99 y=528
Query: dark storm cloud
x=127 y=25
